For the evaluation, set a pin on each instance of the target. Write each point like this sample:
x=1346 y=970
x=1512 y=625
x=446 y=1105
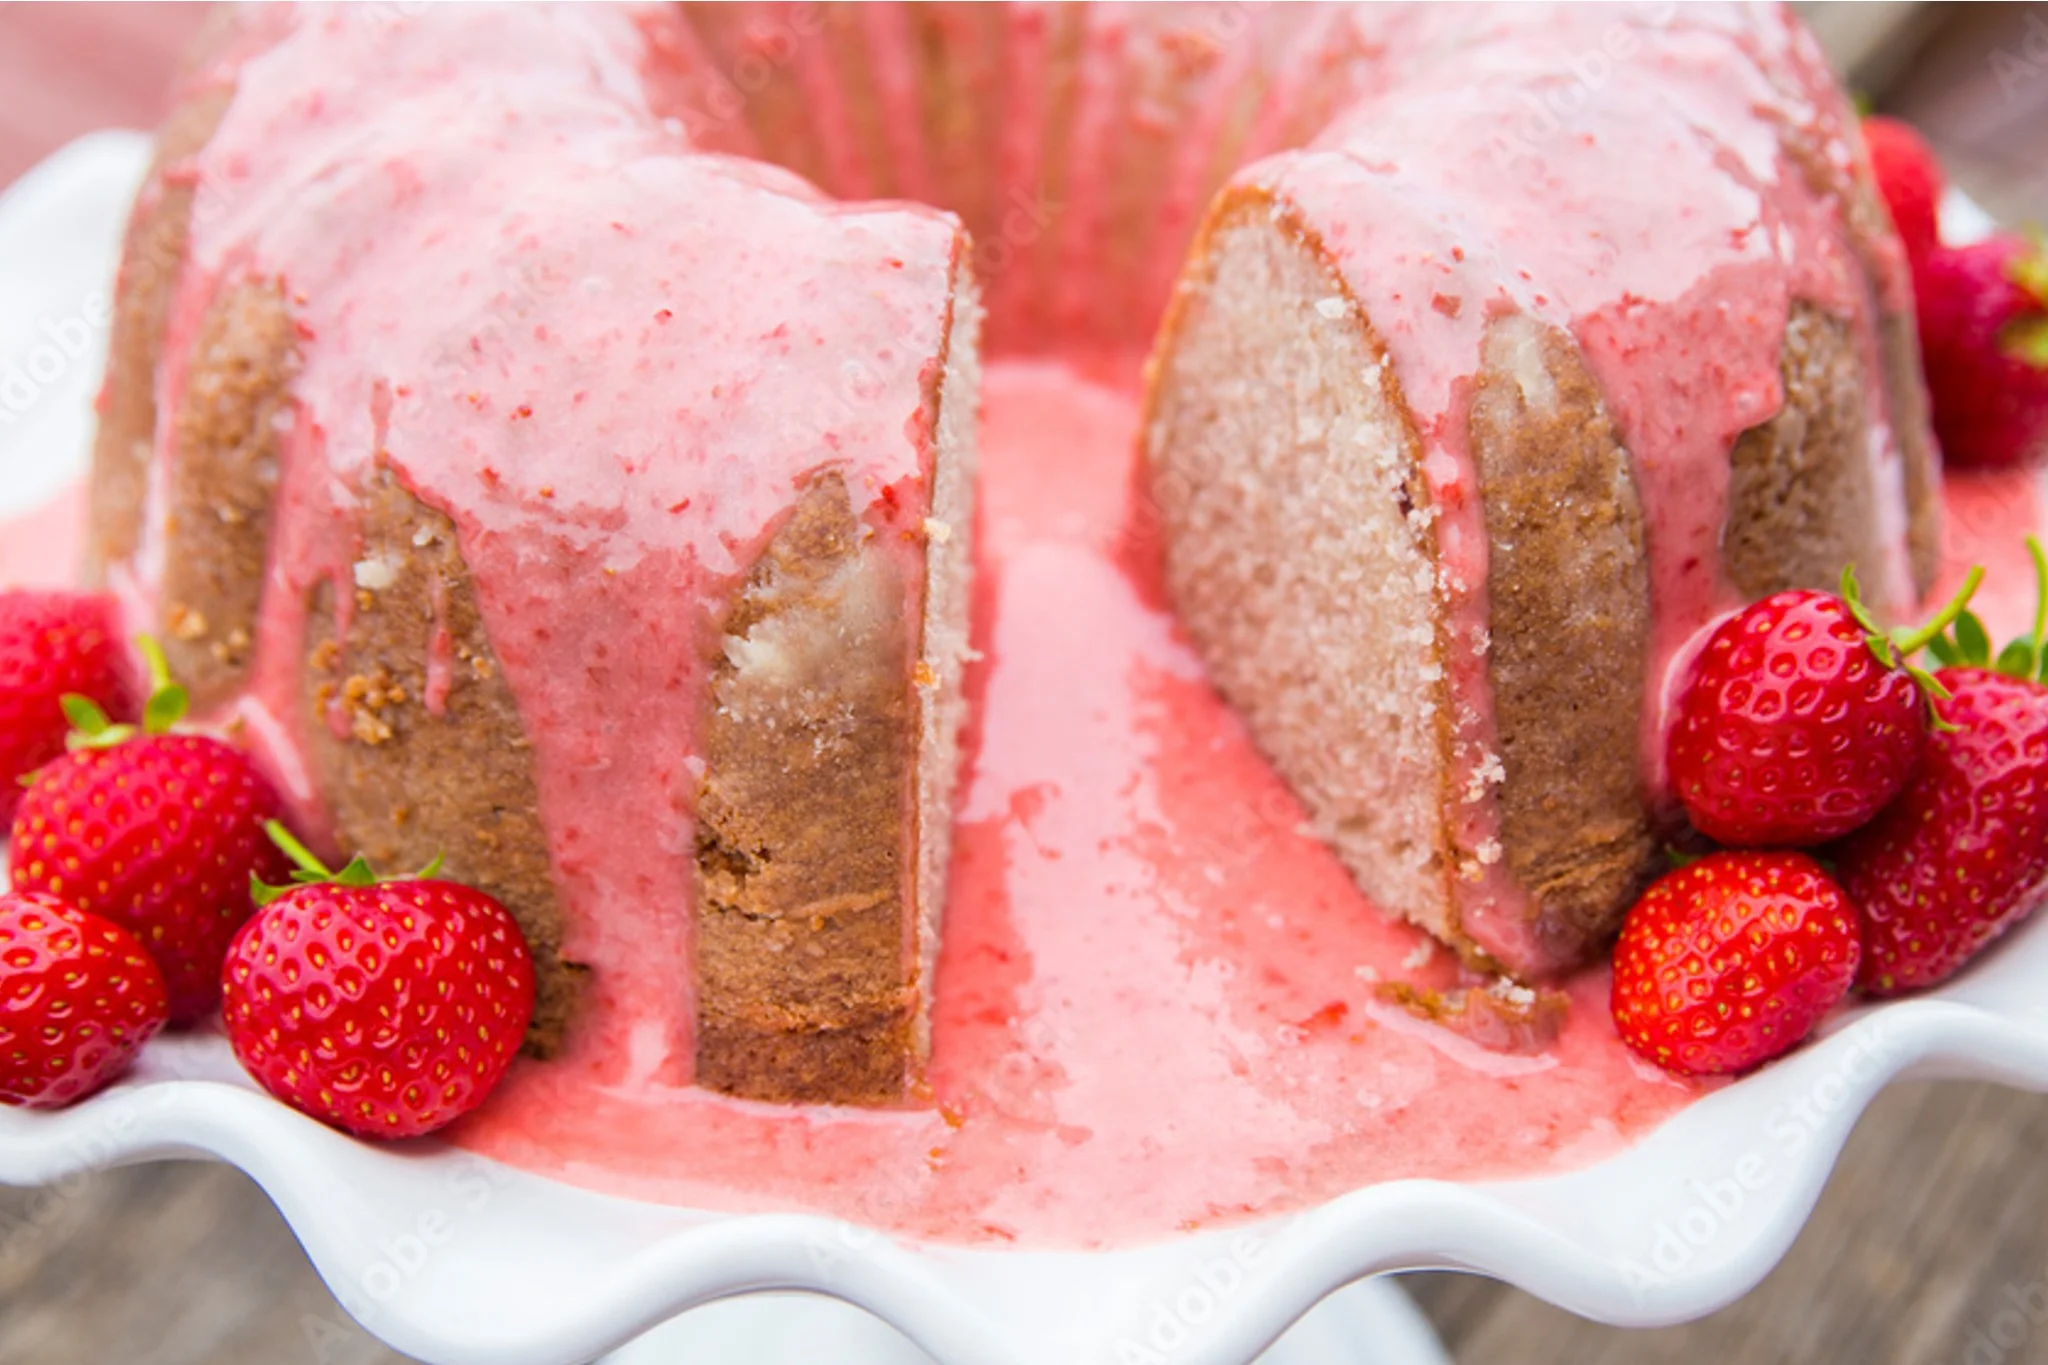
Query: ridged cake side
x=451 y=445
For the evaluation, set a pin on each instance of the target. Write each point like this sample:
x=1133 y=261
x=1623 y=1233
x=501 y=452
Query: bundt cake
x=517 y=431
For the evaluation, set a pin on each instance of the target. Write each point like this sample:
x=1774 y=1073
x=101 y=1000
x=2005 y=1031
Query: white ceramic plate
x=461 y=1262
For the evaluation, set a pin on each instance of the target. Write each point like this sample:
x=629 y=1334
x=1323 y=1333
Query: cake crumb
x=1502 y=1017
x=1510 y=991
x=1332 y=307
x=376 y=573
x=1419 y=956
x=938 y=532
x=186 y=624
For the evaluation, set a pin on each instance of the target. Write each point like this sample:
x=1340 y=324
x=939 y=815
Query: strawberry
x=1962 y=856
x=51 y=643
x=78 y=999
x=1801 y=719
x=1732 y=960
x=1910 y=179
x=386 y=1008
x=158 y=831
x=1984 y=342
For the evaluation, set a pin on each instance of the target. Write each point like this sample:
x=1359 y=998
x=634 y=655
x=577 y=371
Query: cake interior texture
x=548 y=436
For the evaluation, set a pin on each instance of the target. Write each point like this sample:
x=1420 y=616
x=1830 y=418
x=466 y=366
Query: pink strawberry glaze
x=1679 y=315
x=43 y=548
x=1155 y=1004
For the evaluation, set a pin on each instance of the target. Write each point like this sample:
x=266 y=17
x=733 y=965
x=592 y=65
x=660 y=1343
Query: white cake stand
x=459 y=1261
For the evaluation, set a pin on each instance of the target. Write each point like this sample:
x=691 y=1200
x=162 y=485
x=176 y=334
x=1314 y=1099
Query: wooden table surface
x=1930 y=1246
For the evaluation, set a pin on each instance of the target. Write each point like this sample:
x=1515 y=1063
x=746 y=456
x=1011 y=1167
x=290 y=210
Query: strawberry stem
x=312 y=872
x=168 y=700
x=1912 y=642
x=2040 y=558
x=295 y=850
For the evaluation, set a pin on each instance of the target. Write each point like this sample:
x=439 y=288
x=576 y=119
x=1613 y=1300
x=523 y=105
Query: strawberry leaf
x=310 y=871
x=357 y=873
x=2016 y=660
x=1944 y=652
x=1973 y=642
x=168 y=700
x=90 y=727
x=165 y=709
x=85 y=714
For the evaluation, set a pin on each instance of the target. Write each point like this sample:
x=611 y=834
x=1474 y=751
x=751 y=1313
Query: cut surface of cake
x=519 y=435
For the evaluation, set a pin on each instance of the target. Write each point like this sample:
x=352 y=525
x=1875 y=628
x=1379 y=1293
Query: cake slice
x=609 y=540
x=1448 y=489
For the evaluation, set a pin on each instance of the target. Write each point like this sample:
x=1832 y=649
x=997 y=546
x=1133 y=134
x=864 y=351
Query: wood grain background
x=1930 y=1246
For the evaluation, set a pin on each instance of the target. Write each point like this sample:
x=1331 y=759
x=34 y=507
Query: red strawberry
x=1910 y=179
x=1962 y=855
x=51 y=643
x=1984 y=342
x=1801 y=719
x=78 y=999
x=1732 y=960
x=159 y=832
x=385 y=1008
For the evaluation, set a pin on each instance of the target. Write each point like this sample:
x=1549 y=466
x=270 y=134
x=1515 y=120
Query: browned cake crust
x=1802 y=495
x=152 y=257
x=1570 y=613
x=805 y=965
x=408 y=775
x=223 y=473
